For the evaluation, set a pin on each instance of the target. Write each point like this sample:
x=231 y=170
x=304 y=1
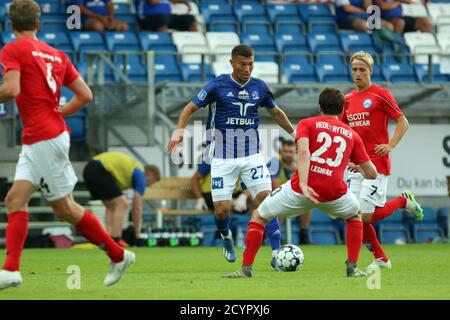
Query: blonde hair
x=364 y=57
x=24 y=15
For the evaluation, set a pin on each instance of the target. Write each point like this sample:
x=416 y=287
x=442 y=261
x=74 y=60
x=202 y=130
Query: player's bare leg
x=116 y=210
x=16 y=232
x=222 y=217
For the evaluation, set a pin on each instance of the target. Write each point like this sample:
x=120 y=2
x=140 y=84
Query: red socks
x=371 y=241
x=16 y=234
x=90 y=228
x=253 y=241
x=388 y=209
x=354 y=235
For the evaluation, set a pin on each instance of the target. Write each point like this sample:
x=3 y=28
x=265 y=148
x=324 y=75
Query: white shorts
x=370 y=193
x=225 y=172
x=285 y=202
x=47 y=166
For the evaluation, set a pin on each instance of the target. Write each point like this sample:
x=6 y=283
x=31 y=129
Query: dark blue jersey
x=233 y=114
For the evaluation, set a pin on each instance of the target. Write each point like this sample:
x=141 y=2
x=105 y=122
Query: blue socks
x=274 y=234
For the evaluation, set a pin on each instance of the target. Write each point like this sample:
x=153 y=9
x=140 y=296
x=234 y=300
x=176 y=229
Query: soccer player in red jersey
x=367 y=110
x=325 y=146
x=33 y=74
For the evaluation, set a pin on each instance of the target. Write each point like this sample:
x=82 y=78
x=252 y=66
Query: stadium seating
x=291 y=42
x=221 y=67
x=192 y=72
x=157 y=41
x=438 y=11
x=421 y=45
x=393 y=229
x=333 y=73
x=263 y=44
x=423 y=74
x=397 y=73
x=322 y=229
x=427 y=229
x=315 y=11
x=443 y=220
x=266 y=70
x=356 y=41
x=88 y=41
x=282 y=12
x=414 y=10
x=122 y=41
x=221 y=43
x=132 y=66
x=57 y=39
x=301 y=72
x=324 y=42
x=191 y=45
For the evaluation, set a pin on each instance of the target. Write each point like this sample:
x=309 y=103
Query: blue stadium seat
x=166 y=71
x=335 y=58
x=333 y=73
x=224 y=26
x=249 y=10
x=157 y=41
x=56 y=39
x=7 y=37
x=438 y=77
x=216 y=9
x=393 y=229
x=325 y=41
x=282 y=12
x=77 y=126
x=299 y=58
x=288 y=42
x=322 y=25
x=122 y=41
x=260 y=27
x=52 y=8
x=427 y=229
x=87 y=42
x=299 y=72
x=132 y=66
x=355 y=41
x=310 y=11
x=192 y=72
x=53 y=23
x=82 y=67
x=263 y=44
x=399 y=73
x=322 y=229
x=66 y=95
x=376 y=76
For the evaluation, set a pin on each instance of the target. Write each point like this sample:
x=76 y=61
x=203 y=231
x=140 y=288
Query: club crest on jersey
x=255 y=95
x=202 y=95
x=243 y=95
x=367 y=103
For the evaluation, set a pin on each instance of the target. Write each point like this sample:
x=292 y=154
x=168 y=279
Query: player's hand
x=201 y=204
x=383 y=149
x=353 y=167
x=309 y=193
x=177 y=138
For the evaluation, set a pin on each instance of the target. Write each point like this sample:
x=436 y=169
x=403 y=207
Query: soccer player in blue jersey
x=234 y=100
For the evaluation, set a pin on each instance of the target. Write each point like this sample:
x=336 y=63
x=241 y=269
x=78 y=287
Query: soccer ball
x=289 y=258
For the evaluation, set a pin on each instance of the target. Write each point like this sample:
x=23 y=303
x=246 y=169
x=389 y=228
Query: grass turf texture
x=419 y=272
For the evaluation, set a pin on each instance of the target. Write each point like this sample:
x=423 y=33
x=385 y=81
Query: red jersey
x=331 y=143
x=43 y=70
x=368 y=113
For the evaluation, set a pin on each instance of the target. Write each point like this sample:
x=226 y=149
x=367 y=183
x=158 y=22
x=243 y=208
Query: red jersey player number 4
x=44 y=70
x=332 y=144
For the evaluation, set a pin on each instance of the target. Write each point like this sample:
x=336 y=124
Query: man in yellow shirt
x=106 y=176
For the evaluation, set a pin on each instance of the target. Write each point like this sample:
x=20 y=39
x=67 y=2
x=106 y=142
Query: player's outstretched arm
x=83 y=95
x=304 y=159
x=280 y=117
x=185 y=116
x=368 y=170
x=10 y=87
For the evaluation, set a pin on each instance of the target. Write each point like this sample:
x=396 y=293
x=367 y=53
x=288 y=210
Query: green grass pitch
x=419 y=272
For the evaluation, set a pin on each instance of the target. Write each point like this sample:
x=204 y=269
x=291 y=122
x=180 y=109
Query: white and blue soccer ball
x=289 y=258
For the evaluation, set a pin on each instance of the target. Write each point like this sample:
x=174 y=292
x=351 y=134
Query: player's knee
x=122 y=204
x=14 y=202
